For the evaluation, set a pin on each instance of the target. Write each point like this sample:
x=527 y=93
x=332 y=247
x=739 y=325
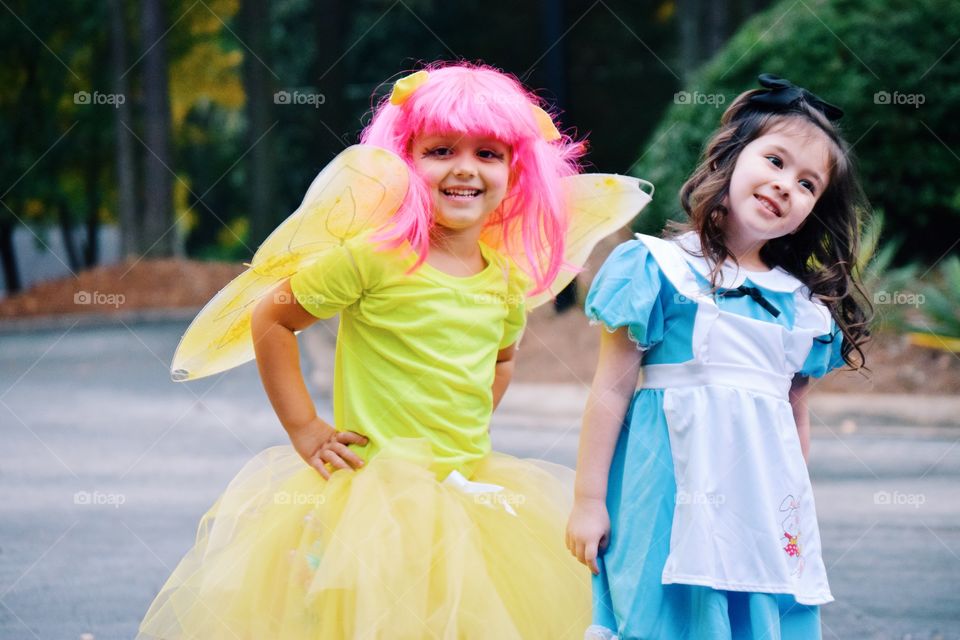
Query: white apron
x=745 y=518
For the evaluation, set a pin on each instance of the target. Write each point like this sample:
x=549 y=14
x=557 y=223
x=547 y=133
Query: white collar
x=777 y=279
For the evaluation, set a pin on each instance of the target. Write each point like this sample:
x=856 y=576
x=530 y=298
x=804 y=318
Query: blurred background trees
x=166 y=117
x=196 y=125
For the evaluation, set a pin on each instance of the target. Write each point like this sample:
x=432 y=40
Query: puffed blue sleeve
x=626 y=293
x=825 y=354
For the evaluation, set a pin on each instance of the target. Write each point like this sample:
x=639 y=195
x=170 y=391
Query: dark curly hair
x=823 y=252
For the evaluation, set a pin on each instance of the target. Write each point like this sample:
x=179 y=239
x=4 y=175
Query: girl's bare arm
x=275 y=319
x=613 y=387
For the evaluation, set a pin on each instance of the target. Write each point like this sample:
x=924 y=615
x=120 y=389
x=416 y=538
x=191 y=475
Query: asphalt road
x=106 y=467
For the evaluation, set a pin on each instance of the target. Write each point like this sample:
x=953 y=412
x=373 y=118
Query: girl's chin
x=456 y=222
x=761 y=224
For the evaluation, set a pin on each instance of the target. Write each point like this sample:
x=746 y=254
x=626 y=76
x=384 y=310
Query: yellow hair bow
x=405 y=86
x=547 y=129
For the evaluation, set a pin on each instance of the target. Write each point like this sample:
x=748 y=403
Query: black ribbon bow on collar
x=753 y=292
x=782 y=95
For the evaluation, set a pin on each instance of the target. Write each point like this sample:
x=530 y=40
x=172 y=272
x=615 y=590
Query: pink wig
x=478 y=100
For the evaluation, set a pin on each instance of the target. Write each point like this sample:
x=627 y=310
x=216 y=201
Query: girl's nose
x=465 y=168
x=781 y=190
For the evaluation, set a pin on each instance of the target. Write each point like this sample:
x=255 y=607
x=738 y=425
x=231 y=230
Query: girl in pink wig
x=397 y=520
x=470 y=101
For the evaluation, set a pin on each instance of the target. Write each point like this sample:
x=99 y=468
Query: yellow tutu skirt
x=385 y=552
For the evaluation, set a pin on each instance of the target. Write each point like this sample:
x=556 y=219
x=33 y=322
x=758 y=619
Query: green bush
x=892 y=289
x=940 y=302
x=848 y=52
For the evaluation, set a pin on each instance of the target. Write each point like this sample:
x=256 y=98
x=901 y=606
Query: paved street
x=106 y=467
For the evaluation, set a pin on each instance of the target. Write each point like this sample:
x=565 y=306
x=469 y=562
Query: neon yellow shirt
x=416 y=352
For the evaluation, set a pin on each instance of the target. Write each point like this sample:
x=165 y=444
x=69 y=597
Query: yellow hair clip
x=547 y=129
x=405 y=86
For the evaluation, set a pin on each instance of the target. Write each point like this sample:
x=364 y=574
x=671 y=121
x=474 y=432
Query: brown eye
x=490 y=154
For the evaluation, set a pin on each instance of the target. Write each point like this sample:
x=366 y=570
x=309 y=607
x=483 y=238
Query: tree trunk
x=126 y=168
x=8 y=258
x=719 y=28
x=66 y=232
x=329 y=75
x=91 y=248
x=255 y=30
x=688 y=18
x=552 y=18
x=158 y=209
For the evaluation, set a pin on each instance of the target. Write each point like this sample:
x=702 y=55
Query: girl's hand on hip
x=319 y=444
x=588 y=531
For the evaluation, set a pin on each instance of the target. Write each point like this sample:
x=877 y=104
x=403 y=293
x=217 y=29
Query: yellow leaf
x=205 y=73
x=933 y=341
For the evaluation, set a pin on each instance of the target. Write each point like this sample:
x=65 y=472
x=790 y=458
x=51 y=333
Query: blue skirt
x=628 y=596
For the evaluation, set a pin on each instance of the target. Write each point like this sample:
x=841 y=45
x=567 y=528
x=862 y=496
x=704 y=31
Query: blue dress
x=713 y=525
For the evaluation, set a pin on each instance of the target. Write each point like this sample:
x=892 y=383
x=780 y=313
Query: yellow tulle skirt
x=385 y=552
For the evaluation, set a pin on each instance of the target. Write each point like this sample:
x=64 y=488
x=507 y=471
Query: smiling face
x=467 y=176
x=775 y=184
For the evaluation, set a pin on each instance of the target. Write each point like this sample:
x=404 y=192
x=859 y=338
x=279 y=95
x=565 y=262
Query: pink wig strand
x=477 y=100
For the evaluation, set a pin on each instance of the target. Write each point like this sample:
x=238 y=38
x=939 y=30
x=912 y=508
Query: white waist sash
x=694 y=374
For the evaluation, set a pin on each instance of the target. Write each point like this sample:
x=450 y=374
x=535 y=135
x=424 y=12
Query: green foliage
x=906 y=300
x=232 y=243
x=886 y=284
x=941 y=301
x=848 y=52
x=48 y=57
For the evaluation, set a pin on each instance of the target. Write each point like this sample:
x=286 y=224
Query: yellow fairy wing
x=598 y=204
x=359 y=190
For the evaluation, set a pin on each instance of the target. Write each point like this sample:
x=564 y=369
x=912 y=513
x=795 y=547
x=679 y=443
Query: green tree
x=897 y=78
x=50 y=128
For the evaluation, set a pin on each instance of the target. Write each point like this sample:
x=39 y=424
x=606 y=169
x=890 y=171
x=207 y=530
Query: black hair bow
x=783 y=95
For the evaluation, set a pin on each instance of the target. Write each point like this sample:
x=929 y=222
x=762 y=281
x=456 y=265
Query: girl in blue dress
x=693 y=504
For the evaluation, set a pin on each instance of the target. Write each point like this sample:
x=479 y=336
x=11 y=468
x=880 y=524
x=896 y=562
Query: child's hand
x=588 y=530
x=319 y=444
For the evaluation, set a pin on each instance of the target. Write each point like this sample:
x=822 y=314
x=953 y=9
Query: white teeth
x=463 y=193
x=769 y=206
